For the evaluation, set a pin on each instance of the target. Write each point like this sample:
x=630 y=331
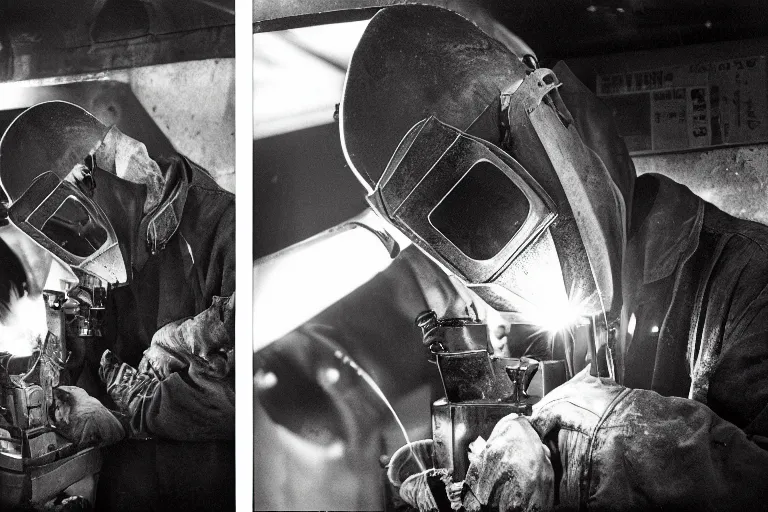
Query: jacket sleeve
x=675 y=454
x=196 y=402
x=192 y=397
x=188 y=406
x=706 y=453
x=218 y=260
x=619 y=449
x=731 y=370
x=738 y=388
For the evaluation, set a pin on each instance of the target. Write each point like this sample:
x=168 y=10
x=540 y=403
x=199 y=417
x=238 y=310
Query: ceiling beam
x=269 y=15
x=35 y=60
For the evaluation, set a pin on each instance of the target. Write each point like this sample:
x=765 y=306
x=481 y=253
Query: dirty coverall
x=187 y=462
x=695 y=279
x=694 y=332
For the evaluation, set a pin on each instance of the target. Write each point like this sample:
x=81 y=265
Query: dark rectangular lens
x=482 y=213
x=72 y=228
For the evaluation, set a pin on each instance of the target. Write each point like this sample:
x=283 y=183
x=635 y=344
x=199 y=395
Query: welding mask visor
x=465 y=202
x=56 y=214
x=38 y=156
x=513 y=201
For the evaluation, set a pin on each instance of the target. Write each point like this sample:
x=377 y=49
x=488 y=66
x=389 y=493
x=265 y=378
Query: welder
x=160 y=236
x=498 y=168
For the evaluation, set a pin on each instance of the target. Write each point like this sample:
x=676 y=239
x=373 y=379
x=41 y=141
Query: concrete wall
x=733 y=179
x=193 y=103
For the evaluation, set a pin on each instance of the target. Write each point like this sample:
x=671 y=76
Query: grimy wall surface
x=187 y=105
x=733 y=179
x=193 y=103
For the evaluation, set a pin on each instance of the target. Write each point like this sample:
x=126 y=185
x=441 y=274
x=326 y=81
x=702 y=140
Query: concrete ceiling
x=559 y=28
x=40 y=39
x=301 y=49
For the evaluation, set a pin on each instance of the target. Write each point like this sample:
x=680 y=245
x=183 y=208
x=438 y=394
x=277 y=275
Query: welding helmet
x=475 y=157
x=48 y=215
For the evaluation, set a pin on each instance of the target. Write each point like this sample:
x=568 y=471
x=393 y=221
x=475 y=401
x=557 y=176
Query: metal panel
x=44 y=39
x=557 y=29
x=270 y=16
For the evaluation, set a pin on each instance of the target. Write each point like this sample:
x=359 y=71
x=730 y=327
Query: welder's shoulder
x=744 y=245
x=202 y=182
x=207 y=222
x=738 y=233
x=207 y=204
x=198 y=179
x=739 y=274
x=741 y=232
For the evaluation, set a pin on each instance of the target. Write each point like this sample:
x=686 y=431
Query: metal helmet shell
x=49 y=217
x=427 y=98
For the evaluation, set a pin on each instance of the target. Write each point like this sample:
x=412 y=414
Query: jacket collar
x=159 y=225
x=666 y=244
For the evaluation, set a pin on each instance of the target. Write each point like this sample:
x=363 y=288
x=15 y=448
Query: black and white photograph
x=117 y=243
x=510 y=255
x=494 y=255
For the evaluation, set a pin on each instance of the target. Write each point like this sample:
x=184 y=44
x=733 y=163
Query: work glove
x=205 y=341
x=623 y=449
x=84 y=420
x=127 y=386
x=512 y=472
x=515 y=471
x=411 y=473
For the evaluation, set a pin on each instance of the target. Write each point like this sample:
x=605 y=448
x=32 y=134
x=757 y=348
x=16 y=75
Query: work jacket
x=694 y=333
x=685 y=423
x=696 y=282
x=182 y=255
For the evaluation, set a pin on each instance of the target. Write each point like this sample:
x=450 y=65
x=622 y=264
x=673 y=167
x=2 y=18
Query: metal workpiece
x=480 y=388
x=452 y=335
x=37 y=484
x=456 y=425
x=476 y=375
x=36 y=461
x=520 y=376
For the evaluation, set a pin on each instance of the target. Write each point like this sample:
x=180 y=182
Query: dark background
x=301 y=186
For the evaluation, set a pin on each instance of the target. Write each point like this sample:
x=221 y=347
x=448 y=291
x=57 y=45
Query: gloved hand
x=512 y=472
x=623 y=449
x=84 y=420
x=205 y=341
x=159 y=362
x=410 y=472
x=576 y=405
x=515 y=469
x=127 y=387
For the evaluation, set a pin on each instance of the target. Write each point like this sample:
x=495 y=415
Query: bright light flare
x=560 y=312
x=292 y=286
x=547 y=303
x=23 y=326
x=561 y=317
